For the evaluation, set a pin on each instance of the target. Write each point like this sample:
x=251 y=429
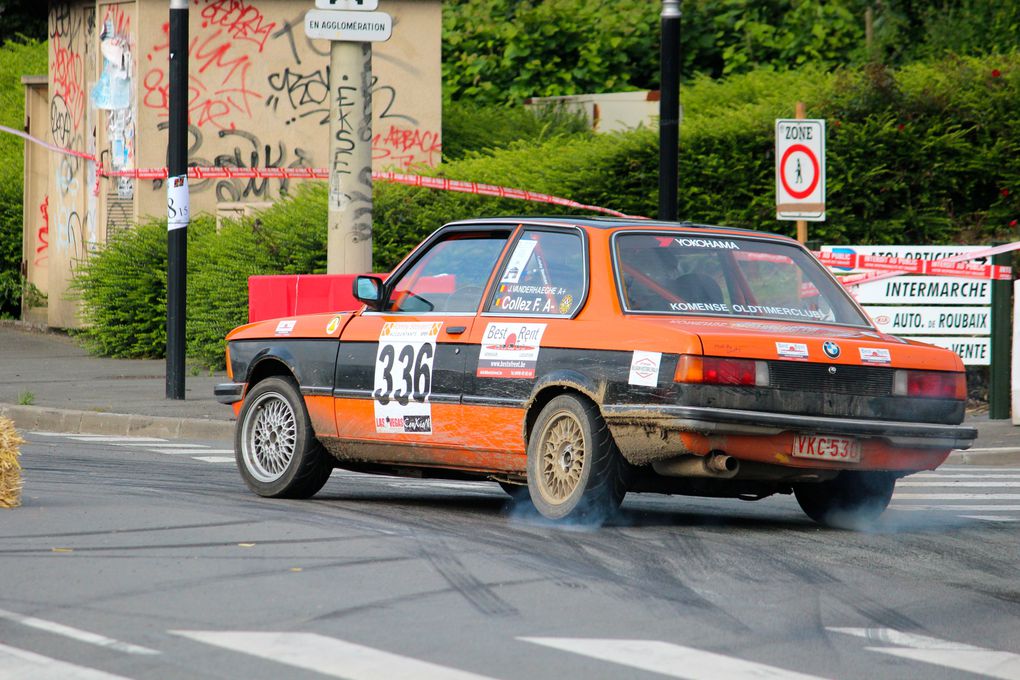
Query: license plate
x=836 y=449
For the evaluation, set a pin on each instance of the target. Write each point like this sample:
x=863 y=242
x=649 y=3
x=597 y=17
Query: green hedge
x=926 y=154
x=16 y=59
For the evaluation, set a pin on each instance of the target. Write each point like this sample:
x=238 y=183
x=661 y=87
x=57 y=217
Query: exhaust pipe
x=715 y=464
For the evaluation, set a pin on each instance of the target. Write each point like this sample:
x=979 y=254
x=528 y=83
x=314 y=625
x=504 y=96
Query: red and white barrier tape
x=895 y=266
x=322 y=173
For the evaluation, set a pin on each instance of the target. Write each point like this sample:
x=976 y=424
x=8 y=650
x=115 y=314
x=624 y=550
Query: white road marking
x=994 y=449
x=328 y=656
x=953 y=482
x=991 y=518
x=17 y=664
x=963 y=475
x=75 y=633
x=668 y=659
x=961 y=506
x=190 y=451
x=214 y=459
x=956 y=655
x=115 y=440
x=958 y=496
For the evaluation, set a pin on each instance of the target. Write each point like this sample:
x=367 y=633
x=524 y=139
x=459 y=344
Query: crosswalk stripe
x=669 y=659
x=958 y=496
x=992 y=518
x=928 y=475
x=961 y=506
x=75 y=633
x=328 y=656
x=18 y=664
x=954 y=482
x=214 y=459
x=115 y=440
x=956 y=655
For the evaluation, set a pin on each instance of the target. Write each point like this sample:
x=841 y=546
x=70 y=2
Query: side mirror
x=368 y=289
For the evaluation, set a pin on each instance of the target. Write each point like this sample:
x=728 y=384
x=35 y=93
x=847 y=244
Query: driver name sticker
x=403 y=377
x=644 y=368
x=519 y=259
x=510 y=350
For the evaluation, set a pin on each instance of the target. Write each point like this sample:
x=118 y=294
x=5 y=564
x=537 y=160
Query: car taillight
x=721 y=371
x=935 y=384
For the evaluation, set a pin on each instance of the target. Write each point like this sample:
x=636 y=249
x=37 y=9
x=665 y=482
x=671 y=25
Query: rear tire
x=274 y=445
x=575 y=471
x=852 y=500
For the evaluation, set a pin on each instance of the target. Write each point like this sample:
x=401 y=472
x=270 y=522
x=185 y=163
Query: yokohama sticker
x=403 y=377
x=644 y=368
x=510 y=350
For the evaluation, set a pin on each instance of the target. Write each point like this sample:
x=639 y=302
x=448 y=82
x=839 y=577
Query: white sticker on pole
x=800 y=169
x=178 y=202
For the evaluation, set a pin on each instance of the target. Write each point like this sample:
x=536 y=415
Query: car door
x=400 y=370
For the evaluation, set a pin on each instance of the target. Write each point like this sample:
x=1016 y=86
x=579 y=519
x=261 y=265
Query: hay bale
x=10 y=469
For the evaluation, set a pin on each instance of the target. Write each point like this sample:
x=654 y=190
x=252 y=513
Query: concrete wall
x=259 y=97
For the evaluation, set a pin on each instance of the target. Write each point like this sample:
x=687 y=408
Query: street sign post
x=351 y=27
x=800 y=169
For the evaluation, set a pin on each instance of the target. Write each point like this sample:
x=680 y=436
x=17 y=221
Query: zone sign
x=800 y=169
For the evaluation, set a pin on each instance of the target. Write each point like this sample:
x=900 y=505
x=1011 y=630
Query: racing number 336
x=403 y=377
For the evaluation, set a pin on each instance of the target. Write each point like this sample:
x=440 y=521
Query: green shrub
x=470 y=128
x=16 y=59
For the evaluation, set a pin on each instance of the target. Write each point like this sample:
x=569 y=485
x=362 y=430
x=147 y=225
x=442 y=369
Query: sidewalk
x=72 y=391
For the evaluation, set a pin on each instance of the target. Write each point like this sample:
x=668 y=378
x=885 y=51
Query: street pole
x=1002 y=327
x=669 y=110
x=349 y=239
x=800 y=113
x=178 y=201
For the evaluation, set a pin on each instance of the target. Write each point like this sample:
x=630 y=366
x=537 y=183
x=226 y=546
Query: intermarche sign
x=948 y=311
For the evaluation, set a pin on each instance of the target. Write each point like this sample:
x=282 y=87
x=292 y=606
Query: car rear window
x=682 y=273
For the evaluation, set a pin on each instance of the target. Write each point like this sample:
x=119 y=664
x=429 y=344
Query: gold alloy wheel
x=563 y=450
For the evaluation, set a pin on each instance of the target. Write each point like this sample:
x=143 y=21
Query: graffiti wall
x=67 y=215
x=259 y=94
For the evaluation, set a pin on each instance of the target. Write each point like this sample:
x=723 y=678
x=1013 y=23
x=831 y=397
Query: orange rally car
x=574 y=359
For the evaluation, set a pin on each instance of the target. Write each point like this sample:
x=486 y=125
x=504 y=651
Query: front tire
x=575 y=471
x=852 y=500
x=274 y=445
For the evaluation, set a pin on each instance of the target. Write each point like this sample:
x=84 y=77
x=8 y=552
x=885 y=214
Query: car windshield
x=683 y=273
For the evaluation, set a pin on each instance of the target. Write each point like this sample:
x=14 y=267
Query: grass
x=26 y=399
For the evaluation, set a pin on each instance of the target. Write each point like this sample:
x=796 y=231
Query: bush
x=475 y=129
x=16 y=59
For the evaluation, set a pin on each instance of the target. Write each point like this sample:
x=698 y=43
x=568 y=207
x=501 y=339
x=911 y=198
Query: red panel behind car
x=271 y=297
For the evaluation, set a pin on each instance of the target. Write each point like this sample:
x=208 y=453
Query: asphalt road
x=150 y=559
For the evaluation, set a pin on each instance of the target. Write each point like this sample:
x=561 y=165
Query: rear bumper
x=710 y=422
x=229 y=393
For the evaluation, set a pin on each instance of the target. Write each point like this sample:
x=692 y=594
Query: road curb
x=91 y=422
x=1007 y=455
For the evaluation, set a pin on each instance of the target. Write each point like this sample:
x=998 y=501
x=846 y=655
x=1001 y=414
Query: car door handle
x=456 y=330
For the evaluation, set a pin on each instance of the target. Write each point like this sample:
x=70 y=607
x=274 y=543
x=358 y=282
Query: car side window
x=543 y=275
x=450 y=277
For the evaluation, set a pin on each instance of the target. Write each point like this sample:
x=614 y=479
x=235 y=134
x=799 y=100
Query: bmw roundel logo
x=831 y=349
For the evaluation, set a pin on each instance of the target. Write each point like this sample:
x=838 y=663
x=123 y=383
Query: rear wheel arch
x=551 y=386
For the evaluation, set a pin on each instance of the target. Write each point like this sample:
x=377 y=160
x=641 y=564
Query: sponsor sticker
x=706 y=243
x=875 y=355
x=333 y=324
x=286 y=326
x=644 y=368
x=792 y=350
x=510 y=350
x=566 y=304
x=518 y=261
x=403 y=377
